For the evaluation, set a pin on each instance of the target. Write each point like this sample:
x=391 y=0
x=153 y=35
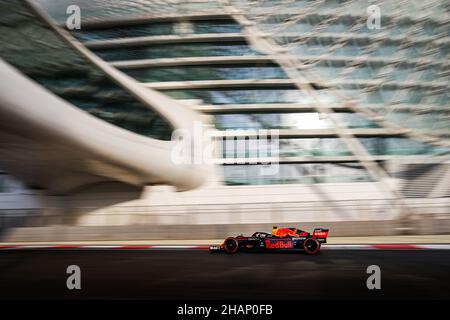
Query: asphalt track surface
x=197 y=274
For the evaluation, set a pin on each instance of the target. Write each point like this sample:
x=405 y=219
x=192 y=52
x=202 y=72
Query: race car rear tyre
x=311 y=246
x=230 y=245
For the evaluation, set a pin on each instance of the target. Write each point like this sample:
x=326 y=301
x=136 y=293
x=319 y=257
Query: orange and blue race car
x=279 y=239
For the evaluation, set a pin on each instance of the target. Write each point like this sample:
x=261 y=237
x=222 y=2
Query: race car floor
x=198 y=274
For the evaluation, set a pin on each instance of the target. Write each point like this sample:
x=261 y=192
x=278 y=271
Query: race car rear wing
x=320 y=234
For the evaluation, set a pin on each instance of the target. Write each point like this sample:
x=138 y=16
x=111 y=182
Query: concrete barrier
x=424 y=226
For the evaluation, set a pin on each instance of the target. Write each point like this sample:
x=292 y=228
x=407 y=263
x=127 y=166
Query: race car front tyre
x=311 y=246
x=230 y=245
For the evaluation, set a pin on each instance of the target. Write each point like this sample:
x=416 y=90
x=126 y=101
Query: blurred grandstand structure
x=362 y=114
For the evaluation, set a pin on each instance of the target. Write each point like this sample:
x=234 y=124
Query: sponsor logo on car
x=278 y=244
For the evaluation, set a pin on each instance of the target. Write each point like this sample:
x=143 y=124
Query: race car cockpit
x=262 y=235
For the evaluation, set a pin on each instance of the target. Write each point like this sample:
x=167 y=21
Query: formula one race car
x=279 y=239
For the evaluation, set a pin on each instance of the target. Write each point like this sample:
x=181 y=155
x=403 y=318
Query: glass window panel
x=400 y=29
x=439 y=120
x=154 y=29
x=294 y=147
x=328 y=72
x=298 y=4
x=251 y=96
x=313 y=147
x=363 y=73
x=206 y=73
x=431 y=74
x=216 y=27
x=306 y=120
x=430 y=29
x=314 y=49
x=299 y=27
x=294 y=173
x=441 y=99
x=118 y=9
x=176 y=51
x=415 y=51
x=125 y=32
x=347 y=50
x=400 y=73
x=444 y=50
x=373 y=97
x=390 y=95
x=399 y=146
x=337 y=27
x=385 y=50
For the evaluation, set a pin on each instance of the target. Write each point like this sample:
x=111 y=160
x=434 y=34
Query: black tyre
x=311 y=246
x=230 y=245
